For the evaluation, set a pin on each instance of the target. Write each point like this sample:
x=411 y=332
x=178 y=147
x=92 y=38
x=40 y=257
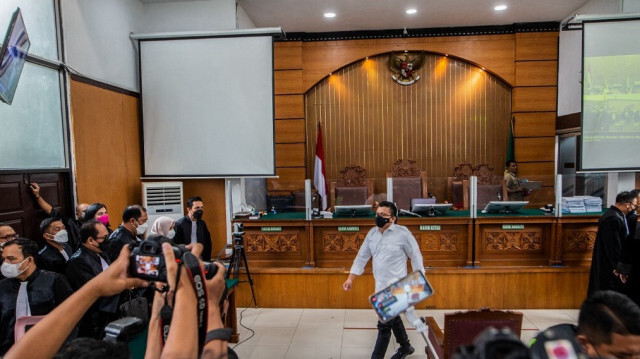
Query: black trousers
x=384 y=335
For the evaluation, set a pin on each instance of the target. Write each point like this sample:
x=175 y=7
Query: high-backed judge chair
x=460 y=328
x=408 y=182
x=458 y=186
x=351 y=187
x=490 y=186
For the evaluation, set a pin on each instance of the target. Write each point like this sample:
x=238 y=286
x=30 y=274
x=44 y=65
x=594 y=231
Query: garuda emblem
x=404 y=67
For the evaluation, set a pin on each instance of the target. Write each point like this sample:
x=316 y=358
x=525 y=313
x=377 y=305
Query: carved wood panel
x=271 y=242
x=580 y=240
x=439 y=242
x=342 y=242
x=512 y=241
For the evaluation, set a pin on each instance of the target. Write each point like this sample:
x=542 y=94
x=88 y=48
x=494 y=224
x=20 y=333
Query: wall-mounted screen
x=12 y=56
x=610 y=96
x=208 y=106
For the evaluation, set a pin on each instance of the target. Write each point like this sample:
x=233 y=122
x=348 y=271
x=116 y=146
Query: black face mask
x=381 y=221
x=104 y=245
x=198 y=214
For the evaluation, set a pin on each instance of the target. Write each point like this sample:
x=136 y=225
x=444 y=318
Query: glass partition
x=584 y=193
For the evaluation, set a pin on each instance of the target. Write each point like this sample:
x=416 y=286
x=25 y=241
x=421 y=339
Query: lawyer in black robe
x=49 y=258
x=45 y=291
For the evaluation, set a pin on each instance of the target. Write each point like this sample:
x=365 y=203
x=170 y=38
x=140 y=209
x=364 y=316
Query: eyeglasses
x=103 y=237
x=9 y=237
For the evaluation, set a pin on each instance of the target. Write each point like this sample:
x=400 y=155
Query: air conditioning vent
x=162 y=199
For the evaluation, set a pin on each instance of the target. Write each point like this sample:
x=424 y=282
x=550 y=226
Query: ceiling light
x=412 y=11
x=500 y=7
x=329 y=14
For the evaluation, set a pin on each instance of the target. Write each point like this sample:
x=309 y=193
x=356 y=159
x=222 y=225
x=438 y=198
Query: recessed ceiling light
x=329 y=14
x=412 y=11
x=500 y=7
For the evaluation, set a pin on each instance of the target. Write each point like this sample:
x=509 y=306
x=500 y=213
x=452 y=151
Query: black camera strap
x=196 y=274
x=192 y=265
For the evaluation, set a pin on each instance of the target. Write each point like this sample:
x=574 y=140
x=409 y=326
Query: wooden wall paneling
x=532 y=99
x=537 y=46
x=290 y=131
x=290 y=155
x=494 y=52
x=537 y=73
x=290 y=179
x=289 y=106
x=537 y=171
x=534 y=149
x=535 y=124
x=105 y=127
x=455 y=288
x=287 y=82
x=577 y=236
x=287 y=55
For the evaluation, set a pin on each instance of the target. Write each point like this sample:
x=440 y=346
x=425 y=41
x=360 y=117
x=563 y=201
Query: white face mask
x=142 y=228
x=11 y=270
x=171 y=234
x=61 y=236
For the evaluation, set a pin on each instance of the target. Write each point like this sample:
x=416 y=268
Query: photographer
x=42 y=341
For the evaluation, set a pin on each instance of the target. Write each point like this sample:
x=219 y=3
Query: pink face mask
x=104 y=219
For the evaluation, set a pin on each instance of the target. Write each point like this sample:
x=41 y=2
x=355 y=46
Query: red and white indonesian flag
x=319 y=173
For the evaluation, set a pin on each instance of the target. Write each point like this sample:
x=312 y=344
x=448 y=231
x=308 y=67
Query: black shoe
x=403 y=352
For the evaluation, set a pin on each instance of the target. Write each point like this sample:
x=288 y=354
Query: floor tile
x=360 y=319
x=315 y=317
x=262 y=351
x=249 y=315
x=270 y=317
x=326 y=335
x=313 y=352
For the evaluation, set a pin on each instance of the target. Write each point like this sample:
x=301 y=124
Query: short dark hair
x=46 y=223
x=28 y=247
x=89 y=230
x=635 y=192
x=624 y=197
x=509 y=162
x=607 y=312
x=193 y=199
x=92 y=210
x=394 y=209
x=133 y=211
x=93 y=348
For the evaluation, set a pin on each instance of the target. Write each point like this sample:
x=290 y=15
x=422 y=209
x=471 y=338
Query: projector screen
x=207 y=106
x=610 y=96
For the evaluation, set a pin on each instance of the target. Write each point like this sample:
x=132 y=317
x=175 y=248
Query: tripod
x=234 y=263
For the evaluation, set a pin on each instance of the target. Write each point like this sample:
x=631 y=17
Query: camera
x=238 y=232
x=147 y=260
x=494 y=343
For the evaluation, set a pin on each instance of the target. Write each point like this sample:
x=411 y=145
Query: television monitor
x=504 y=206
x=12 y=56
x=433 y=209
x=356 y=210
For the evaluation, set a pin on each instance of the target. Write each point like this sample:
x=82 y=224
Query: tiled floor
x=347 y=334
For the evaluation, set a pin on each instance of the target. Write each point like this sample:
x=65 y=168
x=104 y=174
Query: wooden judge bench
x=523 y=260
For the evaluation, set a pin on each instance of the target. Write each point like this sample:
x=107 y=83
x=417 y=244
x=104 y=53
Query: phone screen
x=399 y=296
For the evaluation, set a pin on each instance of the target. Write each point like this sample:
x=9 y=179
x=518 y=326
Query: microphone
x=409 y=213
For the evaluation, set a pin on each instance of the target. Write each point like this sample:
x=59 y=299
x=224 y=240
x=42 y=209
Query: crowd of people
x=80 y=281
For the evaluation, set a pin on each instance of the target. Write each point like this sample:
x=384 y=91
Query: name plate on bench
x=513 y=226
x=348 y=229
x=430 y=227
x=271 y=229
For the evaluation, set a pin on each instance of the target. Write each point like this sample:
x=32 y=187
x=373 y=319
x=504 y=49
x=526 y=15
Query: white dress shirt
x=389 y=250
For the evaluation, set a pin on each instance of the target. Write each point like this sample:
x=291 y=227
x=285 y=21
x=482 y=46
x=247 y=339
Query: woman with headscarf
x=163 y=226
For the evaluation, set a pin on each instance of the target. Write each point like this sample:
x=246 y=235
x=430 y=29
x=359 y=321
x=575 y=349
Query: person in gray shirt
x=389 y=245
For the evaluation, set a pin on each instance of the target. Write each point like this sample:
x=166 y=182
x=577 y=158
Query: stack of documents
x=581 y=204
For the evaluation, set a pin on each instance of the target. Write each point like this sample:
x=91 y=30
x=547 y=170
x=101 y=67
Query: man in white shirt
x=389 y=245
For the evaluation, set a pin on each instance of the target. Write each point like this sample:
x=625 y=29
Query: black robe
x=183 y=235
x=607 y=252
x=49 y=258
x=81 y=268
x=118 y=239
x=631 y=257
x=46 y=290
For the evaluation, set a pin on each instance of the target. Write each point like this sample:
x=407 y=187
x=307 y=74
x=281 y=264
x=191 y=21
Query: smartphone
x=399 y=296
